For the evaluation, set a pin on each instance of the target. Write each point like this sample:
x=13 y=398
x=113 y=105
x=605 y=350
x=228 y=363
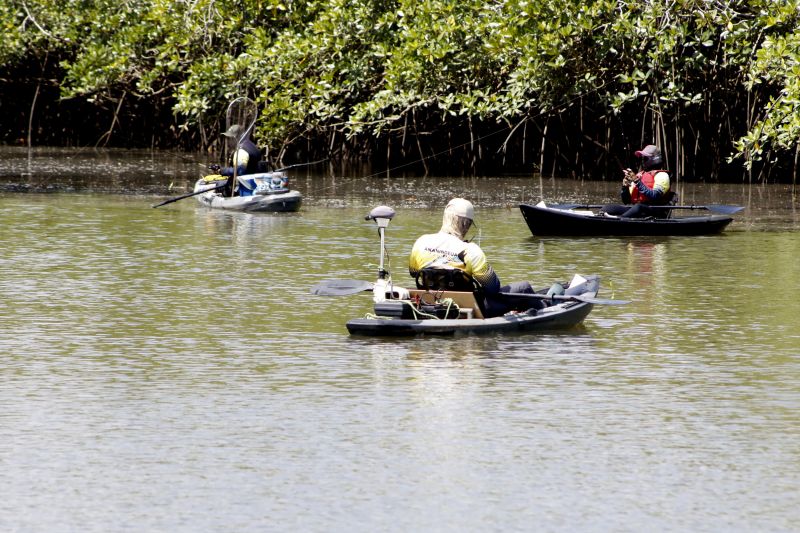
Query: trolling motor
x=381 y=215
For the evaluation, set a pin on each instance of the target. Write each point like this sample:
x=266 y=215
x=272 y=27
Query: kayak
x=450 y=313
x=445 y=303
x=566 y=220
x=262 y=192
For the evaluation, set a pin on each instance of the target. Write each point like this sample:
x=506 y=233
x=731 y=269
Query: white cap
x=461 y=208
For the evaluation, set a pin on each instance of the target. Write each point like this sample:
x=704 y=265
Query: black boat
x=426 y=312
x=572 y=219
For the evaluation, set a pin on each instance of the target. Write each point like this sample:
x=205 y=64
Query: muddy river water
x=168 y=369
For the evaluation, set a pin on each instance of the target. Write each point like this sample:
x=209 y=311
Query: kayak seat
x=446 y=279
x=451 y=280
x=670 y=199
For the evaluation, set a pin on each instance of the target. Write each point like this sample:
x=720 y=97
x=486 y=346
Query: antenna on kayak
x=381 y=215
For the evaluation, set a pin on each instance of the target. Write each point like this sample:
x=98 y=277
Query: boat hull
x=564 y=315
x=547 y=221
x=276 y=202
x=502 y=324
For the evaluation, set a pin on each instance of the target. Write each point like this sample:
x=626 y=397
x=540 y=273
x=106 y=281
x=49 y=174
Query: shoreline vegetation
x=564 y=88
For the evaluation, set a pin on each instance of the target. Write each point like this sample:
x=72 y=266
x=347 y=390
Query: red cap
x=648 y=151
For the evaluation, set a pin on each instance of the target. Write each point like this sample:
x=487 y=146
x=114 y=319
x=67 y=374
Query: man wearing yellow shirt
x=449 y=249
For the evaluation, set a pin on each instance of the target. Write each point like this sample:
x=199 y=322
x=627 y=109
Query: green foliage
x=372 y=67
x=776 y=71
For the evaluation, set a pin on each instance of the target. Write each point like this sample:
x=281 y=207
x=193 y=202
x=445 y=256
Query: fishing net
x=239 y=121
x=241 y=113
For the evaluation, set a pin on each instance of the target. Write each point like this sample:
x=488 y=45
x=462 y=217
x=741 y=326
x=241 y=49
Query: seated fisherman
x=245 y=159
x=449 y=249
x=649 y=186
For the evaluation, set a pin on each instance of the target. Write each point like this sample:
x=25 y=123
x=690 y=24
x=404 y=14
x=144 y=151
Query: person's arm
x=413 y=268
x=239 y=159
x=416 y=259
x=625 y=192
x=479 y=268
x=661 y=182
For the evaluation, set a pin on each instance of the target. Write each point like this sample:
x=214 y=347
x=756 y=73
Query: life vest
x=648 y=177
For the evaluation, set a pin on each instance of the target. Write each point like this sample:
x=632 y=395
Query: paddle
x=340 y=287
x=195 y=193
x=725 y=209
x=569 y=297
x=346 y=287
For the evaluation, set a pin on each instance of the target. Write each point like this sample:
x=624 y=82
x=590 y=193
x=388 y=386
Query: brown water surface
x=168 y=370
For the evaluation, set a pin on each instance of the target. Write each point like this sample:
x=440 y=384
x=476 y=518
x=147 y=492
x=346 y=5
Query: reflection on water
x=171 y=364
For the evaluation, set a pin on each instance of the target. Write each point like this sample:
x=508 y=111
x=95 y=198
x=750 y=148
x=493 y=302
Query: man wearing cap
x=448 y=249
x=650 y=186
x=245 y=159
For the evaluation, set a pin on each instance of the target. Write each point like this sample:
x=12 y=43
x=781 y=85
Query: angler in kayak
x=649 y=186
x=246 y=157
x=449 y=250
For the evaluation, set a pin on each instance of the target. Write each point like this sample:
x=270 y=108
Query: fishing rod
x=301 y=165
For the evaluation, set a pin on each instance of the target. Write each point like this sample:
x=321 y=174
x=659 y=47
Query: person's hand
x=627 y=177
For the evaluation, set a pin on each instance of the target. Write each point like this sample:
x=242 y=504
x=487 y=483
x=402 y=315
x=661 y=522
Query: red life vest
x=648 y=177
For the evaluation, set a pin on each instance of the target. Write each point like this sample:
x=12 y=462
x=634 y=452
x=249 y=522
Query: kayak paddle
x=195 y=193
x=346 y=287
x=725 y=209
x=340 y=287
x=568 y=297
